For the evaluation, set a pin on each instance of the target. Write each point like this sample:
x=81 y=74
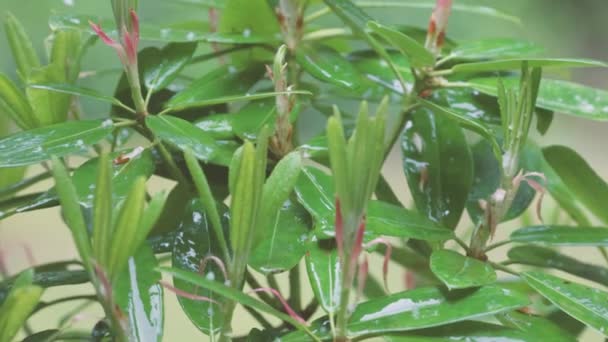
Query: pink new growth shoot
x=288 y=308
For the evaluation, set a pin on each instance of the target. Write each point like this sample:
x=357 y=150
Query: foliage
x=261 y=189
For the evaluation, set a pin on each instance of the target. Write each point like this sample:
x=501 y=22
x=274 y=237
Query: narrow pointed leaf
x=418 y=55
x=559 y=96
x=515 y=64
x=493 y=49
x=586 y=304
x=17 y=307
x=21 y=46
x=535 y=326
x=562 y=235
x=457 y=271
x=140 y=297
x=50 y=107
x=15 y=105
x=550 y=258
x=584 y=183
x=438 y=166
x=102 y=211
x=78 y=91
x=37 y=145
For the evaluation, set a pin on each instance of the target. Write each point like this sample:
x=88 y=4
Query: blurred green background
x=567 y=28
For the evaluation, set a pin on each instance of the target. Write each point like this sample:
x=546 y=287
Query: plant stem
x=173 y=169
x=503 y=268
x=496 y=245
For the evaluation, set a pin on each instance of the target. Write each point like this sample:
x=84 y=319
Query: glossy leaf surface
x=457 y=271
x=161 y=66
x=586 y=304
x=438 y=165
x=40 y=144
x=324 y=273
x=418 y=55
x=329 y=66
x=562 y=235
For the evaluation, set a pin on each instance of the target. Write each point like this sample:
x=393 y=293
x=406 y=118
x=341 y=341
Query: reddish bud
x=438 y=24
x=104 y=37
x=134 y=27
x=286 y=306
x=217 y=261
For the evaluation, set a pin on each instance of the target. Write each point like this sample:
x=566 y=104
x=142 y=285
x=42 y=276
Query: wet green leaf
x=50 y=107
x=559 y=96
x=579 y=178
x=562 y=235
x=418 y=55
x=140 y=297
x=457 y=271
x=326 y=64
x=184 y=135
x=161 y=66
x=78 y=91
x=516 y=63
x=324 y=273
x=531 y=325
x=550 y=258
x=196 y=240
x=21 y=46
x=379 y=78
x=283 y=243
x=438 y=166
x=586 y=304
x=487 y=179
x=493 y=49
x=21 y=301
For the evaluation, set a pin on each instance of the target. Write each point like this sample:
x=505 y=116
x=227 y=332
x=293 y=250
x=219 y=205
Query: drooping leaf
x=140 y=297
x=39 y=144
x=438 y=166
x=195 y=240
x=418 y=55
x=515 y=64
x=550 y=258
x=586 y=304
x=559 y=96
x=161 y=66
x=283 y=243
x=579 y=178
x=457 y=271
x=562 y=235
x=329 y=66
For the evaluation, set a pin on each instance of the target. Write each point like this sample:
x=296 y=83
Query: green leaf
x=21 y=46
x=161 y=66
x=78 y=91
x=15 y=105
x=418 y=55
x=276 y=191
x=380 y=80
x=19 y=304
x=562 y=235
x=72 y=214
x=580 y=179
x=246 y=122
x=314 y=190
x=559 y=96
x=327 y=65
x=194 y=241
x=487 y=179
x=234 y=295
x=37 y=145
x=549 y=258
x=50 y=107
x=586 y=304
x=540 y=327
x=140 y=297
x=67 y=51
x=283 y=242
x=515 y=64
x=493 y=49
x=438 y=165
x=457 y=271
x=125 y=230
x=324 y=273
x=466 y=122
x=102 y=211
x=183 y=135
